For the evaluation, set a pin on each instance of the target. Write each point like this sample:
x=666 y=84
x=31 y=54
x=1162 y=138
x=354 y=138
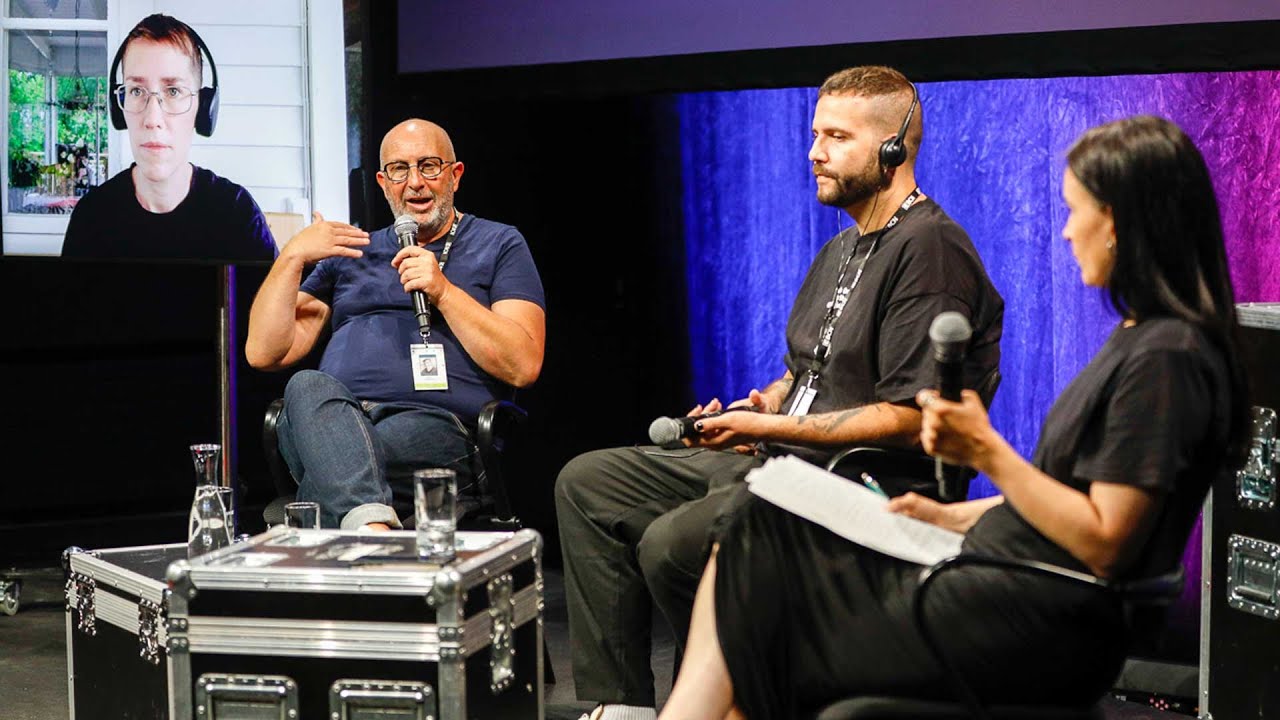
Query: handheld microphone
x=667 y=430
x=407 y=232
x=950 y=333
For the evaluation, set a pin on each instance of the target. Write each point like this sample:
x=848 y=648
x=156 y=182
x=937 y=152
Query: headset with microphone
x=893 y=152
x=207 y=107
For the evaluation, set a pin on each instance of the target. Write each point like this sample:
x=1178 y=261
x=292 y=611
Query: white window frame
x=32 y=223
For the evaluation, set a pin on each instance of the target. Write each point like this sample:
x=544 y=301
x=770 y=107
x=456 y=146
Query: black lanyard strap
x=840 y=296
x=425 y=330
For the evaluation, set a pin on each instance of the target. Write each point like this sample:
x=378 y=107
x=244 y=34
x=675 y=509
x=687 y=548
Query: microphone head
x=950 y=333
x=406 y=226
x=664 y=430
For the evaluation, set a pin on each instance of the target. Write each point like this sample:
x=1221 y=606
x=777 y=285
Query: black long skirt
x=806 y=618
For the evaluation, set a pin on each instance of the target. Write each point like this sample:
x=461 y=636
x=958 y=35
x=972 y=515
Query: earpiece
x=207 y=98
x=893 y=152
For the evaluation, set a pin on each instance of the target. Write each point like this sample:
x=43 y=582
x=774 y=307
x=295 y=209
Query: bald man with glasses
x=388 y=399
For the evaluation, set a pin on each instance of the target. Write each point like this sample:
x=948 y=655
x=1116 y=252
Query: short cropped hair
x=878 y=81
x=168 y=30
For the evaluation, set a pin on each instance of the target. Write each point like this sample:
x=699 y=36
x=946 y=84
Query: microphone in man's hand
x=666 y=430
x=950 y=333
x=407 y=232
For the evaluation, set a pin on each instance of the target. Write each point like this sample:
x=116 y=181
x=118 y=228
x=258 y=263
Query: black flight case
x=307 y=624
x=1240 y=602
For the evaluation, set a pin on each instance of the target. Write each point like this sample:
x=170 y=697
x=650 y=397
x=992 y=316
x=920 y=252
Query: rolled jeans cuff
x=362 y=515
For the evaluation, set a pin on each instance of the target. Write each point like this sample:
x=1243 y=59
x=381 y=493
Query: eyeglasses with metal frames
x=173 y=100
x=429 y=168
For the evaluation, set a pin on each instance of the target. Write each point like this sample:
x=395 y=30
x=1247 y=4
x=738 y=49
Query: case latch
x=1256 y=481
x=222 y=697
x=1253 y=576
x=502 y=618
x=80 y=592
x=150 y=620
x=381 y=700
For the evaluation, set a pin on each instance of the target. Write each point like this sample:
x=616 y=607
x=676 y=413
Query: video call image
x=113 y=151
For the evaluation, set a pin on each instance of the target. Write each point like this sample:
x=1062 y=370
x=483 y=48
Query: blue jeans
x=356 y=458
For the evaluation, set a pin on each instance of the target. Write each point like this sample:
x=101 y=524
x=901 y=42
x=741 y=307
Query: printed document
x=850 y=510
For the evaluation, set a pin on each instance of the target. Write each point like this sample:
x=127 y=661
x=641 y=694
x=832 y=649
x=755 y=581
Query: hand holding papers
x=850 y=511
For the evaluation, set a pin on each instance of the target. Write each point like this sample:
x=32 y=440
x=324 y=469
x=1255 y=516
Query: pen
x=871 y=483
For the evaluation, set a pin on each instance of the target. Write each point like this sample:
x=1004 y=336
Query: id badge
x=428 y=367
x=800 y=406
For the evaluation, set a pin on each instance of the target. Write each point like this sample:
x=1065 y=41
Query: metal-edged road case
x=308 y=624
x=1240 y=601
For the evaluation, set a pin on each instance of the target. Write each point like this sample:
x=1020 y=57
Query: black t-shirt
x=880 y=348
x=1151 y=410
x=217 y=221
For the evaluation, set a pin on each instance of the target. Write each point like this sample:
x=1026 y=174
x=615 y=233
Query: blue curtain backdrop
x=993 y=157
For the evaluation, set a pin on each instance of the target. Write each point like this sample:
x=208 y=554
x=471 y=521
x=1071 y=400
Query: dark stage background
x=109 y=371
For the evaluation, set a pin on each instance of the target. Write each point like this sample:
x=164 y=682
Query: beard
x=431 y=222
x=850 y=189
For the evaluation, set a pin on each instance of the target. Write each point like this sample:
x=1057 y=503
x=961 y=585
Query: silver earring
x=1111 y=245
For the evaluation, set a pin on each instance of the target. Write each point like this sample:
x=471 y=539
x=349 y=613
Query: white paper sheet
x=851 y=511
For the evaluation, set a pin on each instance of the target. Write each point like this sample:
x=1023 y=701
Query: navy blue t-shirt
x=373 y=321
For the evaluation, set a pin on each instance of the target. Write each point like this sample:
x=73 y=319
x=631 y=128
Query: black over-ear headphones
x=206 y=109
x=893 y=152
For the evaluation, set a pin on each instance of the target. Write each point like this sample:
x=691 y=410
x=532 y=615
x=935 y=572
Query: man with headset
x=162 y=207
x=634 y=521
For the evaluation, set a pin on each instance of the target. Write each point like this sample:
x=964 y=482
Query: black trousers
x=633 y=526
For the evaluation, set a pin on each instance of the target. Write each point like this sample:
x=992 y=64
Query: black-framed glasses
x=173 y=100
x=429 y=168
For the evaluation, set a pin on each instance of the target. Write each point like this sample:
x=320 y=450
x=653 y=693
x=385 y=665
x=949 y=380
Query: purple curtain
x=993 y=157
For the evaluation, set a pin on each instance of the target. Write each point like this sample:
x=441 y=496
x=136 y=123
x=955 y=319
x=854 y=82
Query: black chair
x=906 y=468
x=483 y=505
x=1140 y=598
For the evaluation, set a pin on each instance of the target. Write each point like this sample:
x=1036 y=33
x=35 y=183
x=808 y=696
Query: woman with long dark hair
x=790 y=616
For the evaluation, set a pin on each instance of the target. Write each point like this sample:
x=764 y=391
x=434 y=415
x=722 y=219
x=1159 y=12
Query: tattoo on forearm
x=779 y=388
x=827 y=422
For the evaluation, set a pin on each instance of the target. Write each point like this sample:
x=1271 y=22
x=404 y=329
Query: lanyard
x=840 y=297
x=425 y=330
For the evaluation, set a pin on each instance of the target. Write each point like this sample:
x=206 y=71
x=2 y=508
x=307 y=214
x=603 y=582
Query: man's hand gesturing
x=324 y=238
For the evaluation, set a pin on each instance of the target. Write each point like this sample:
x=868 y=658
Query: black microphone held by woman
x=950 y=333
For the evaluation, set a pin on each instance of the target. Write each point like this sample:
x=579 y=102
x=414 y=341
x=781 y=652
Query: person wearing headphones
x=791 y=617
x=634 y=521
x=162 y=207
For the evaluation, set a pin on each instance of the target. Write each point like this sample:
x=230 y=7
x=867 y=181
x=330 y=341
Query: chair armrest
x=913 y=462
x=495 y=419
x=280 y=475
x=905 y=469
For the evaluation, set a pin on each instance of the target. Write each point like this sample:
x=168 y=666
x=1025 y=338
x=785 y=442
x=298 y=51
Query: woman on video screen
x=163 y=207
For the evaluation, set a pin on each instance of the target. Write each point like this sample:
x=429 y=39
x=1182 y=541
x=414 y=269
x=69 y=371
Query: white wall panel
x=253 y=166
x=261 y=85
x=259 y=125
x=236 y=12
x=253 y=46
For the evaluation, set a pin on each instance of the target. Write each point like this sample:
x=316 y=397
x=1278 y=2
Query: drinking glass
x=435 y=495
x=302 y=515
